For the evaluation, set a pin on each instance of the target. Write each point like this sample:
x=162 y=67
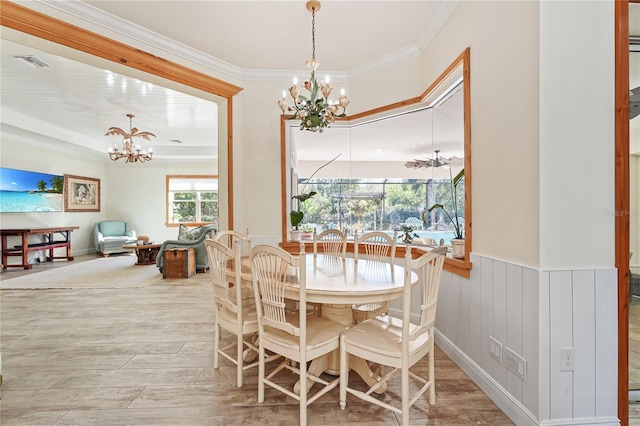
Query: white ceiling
x=75 y=104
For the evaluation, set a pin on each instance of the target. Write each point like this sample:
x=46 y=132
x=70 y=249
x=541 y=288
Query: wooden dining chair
x=234 y=308
x=298 y=337
x=227 y=238
x=332 y=242
x=378 y=246
x=397 y=343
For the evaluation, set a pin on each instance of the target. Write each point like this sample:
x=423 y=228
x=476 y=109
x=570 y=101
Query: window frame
x=168 y=221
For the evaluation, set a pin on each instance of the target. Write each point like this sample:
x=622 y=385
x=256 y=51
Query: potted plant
x=306 y=232
x=457 y=243
x=407 y=233
x=297 y=216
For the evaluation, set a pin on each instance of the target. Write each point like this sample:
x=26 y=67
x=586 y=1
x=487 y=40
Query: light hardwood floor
x=143 y=356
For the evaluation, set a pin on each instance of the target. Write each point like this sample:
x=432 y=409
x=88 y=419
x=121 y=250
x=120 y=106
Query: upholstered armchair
x=194 y=238
x=110 y=235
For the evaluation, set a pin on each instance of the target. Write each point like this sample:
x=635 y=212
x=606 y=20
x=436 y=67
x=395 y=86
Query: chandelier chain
x=313 y=33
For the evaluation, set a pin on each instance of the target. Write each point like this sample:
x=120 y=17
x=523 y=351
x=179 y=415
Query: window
x=379 y=204
x=192 y=200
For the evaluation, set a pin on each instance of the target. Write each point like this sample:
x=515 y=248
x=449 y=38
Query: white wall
x=131 y=192
x=577 y=135
x=503 y=37
x=257 y=158
x=136 y=193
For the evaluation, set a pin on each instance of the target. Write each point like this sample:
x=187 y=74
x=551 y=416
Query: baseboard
x=583 y=421
x=517 y=412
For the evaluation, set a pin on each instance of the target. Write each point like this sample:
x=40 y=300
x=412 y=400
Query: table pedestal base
x=330 y=363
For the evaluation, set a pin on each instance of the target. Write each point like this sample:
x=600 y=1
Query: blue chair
x=110 y=235
x=197 y=241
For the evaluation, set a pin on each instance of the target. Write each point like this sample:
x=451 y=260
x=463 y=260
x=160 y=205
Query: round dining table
x=338 y=283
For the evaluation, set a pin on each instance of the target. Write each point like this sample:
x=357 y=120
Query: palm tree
x=42 y=185
x=57 y=183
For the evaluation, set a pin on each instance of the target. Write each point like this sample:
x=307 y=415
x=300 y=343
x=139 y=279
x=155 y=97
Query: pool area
x=435 y=235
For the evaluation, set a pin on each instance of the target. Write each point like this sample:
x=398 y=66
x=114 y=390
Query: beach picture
x=25 y=191
x=82 y=194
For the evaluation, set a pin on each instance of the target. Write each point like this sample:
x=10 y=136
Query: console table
x=24 y=248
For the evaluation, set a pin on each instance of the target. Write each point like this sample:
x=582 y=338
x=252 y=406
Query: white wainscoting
x=535 y=314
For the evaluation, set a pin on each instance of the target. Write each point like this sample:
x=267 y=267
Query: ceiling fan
x=434 y=162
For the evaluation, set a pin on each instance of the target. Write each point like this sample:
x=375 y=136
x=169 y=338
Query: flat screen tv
x=25 y=191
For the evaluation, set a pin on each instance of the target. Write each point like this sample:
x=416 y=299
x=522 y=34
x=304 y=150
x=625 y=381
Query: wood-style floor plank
x=144 y=356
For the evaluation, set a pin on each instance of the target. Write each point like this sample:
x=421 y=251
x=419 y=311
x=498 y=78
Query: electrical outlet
x=567 y=359
x=495 y=349
x=515 y=363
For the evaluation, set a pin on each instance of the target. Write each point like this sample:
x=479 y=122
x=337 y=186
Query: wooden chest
x=179 y=263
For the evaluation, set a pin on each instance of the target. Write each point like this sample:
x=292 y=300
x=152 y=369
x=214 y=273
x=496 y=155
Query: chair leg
x=239 y=349
x=405 y=395
x=344 y=374
x=432 y=377
x=216 y=344
x=261 y=374
x=303 y=392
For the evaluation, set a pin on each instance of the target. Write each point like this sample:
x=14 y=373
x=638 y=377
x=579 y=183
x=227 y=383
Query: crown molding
x=386 y=61
x=89 y=16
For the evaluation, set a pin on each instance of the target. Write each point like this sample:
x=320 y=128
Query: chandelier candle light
x=316 y=111
x=130 y=153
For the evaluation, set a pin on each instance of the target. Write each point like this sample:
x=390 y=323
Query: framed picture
x=23 y=191
x=81 y=194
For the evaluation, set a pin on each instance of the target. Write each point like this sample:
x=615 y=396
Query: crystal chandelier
x=130 y=153
x=316 y=111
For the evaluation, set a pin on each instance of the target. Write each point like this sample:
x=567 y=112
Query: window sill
x=461 y=267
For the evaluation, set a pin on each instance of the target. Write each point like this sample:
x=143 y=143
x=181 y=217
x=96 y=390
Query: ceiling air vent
x=33 y=61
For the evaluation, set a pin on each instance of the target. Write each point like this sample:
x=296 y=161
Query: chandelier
x=316 y=111
x=130 y=153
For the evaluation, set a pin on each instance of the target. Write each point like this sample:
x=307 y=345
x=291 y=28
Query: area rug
x=104 y=272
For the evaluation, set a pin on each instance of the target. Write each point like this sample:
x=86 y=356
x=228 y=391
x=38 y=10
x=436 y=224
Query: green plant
x=455 y=219
x=307 y=228
x=297 y=216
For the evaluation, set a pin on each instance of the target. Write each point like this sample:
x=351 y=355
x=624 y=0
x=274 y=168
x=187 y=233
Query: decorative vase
x=295 y=235
x=458 y=248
